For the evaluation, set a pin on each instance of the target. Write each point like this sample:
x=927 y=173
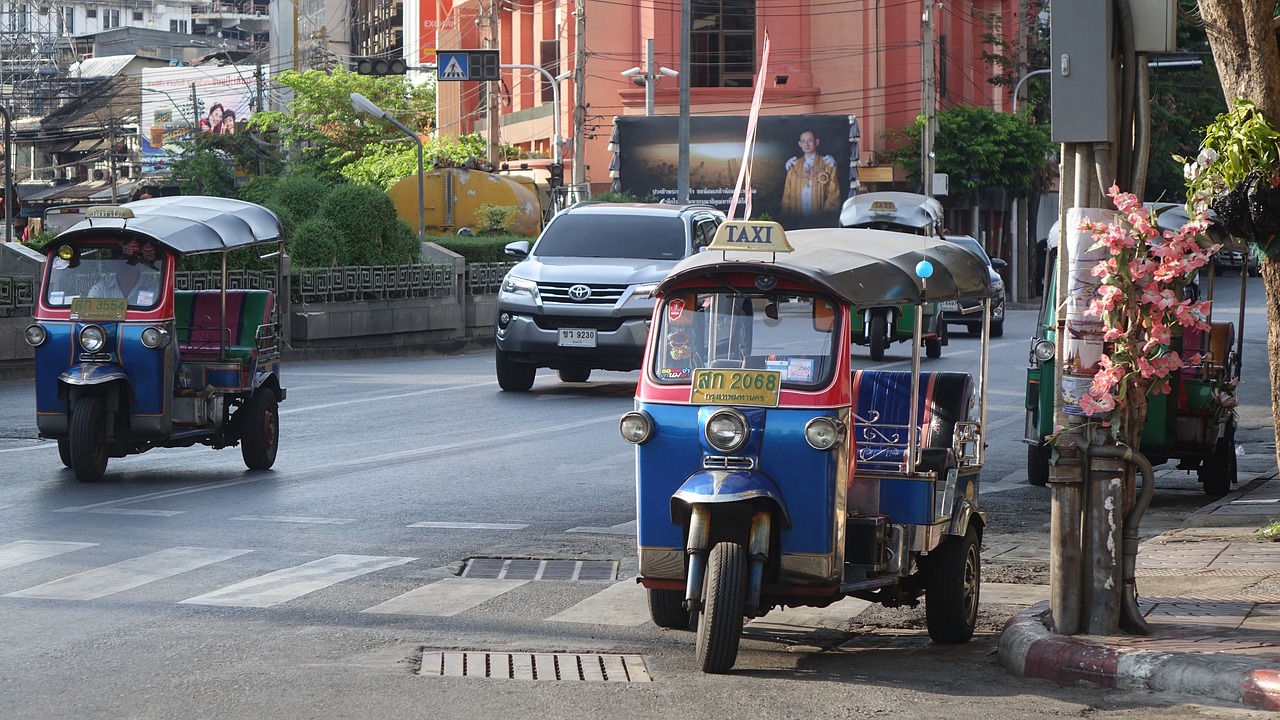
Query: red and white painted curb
x=1029 y=649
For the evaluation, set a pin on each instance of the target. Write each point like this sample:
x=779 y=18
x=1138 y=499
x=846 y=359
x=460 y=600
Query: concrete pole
x=9 y=192
x=928 y=103
x=579 y=96
x=682 y=141
x=650 y=78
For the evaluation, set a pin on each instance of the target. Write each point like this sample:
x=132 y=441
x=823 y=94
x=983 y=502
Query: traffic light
x=557 y=174
x=380 y=66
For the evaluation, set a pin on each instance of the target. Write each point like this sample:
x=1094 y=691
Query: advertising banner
x=802 y=172
x=433 y=16
x=180 y=103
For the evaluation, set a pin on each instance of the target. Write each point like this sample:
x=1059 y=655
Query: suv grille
x=555 y=322
x=599 y=295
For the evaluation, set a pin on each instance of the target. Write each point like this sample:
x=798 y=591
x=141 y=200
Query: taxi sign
x=883 y=206
x=751 y=236
x=108 y=211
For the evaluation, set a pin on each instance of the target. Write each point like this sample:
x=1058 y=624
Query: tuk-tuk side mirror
x=824 y=316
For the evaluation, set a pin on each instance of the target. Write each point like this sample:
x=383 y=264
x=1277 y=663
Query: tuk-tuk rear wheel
x=951 y=589
x=666 y=609
x=88 y=439
x=260 y=430
x=1038 y=464
x=723 y=606
x=1218 y=473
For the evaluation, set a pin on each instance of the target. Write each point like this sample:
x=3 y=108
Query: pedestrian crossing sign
x=454 y=65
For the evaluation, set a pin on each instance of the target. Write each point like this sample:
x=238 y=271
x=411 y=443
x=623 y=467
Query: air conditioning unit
x=99 y=174
x=126 y=171
x=69 y=173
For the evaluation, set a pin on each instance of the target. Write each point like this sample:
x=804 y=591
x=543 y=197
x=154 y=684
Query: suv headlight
x=644 y=291
x=519 y=286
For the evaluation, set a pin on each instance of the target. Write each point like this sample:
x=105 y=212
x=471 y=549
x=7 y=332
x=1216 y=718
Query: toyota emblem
x=579 y=292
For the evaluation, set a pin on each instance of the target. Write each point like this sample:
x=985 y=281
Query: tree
x=323 y=131
x=1243 y=39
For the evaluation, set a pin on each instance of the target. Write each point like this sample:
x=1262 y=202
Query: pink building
x=827 y=58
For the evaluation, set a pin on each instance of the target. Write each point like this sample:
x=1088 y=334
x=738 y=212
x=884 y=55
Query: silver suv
x=580 y=299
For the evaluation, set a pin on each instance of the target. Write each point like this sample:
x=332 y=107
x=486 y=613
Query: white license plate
x=946 y=305
x=578 y=337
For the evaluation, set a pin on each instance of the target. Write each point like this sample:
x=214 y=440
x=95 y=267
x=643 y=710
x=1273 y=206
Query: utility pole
x=195 y=112
x=580 y=94
x=111 y=158
x=261 y=86
x=928 y=100
x=682 y=167
x=495 y=140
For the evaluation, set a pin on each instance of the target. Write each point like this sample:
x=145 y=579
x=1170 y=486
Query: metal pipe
x=696 y=547
x=913 y=431
x=761 y=528
x=1131 y=615
x=1141 y=130
x=1100 y=550
x=1064 y=557
x=9 y=191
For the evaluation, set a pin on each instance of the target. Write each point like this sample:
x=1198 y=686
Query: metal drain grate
x=535 y=569
x=535 y=666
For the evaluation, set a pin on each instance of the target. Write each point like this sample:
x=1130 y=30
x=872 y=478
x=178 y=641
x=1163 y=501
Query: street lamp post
x=364 y=105
x=9 y=192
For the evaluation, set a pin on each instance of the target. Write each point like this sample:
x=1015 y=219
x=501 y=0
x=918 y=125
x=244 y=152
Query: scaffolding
x=35 y=50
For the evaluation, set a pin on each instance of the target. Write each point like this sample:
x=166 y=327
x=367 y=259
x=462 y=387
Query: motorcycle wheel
x=951 y=589
x=89 y=439
x=1218 y=473
x=876 y=333
x=666 y=609
x=260 y=430
x=1038 y=464
x=64 y=451
x=513 y=376
x=723 y=604
x=574 y=375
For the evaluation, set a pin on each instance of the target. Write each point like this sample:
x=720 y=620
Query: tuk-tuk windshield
x=130 y=270
x=792 y=333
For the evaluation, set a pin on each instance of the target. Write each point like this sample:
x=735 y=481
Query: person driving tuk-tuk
x=131 y=280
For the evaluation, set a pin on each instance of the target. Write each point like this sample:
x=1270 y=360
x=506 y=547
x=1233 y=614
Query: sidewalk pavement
x=1210 y=592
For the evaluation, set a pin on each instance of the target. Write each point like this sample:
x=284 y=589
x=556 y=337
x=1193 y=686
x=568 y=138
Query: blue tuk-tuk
x=125 y=362
x=879 y=327
x=770 y=472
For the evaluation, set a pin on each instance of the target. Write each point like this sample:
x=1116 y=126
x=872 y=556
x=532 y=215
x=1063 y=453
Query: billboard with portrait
x=802 y=170
x=182 y=102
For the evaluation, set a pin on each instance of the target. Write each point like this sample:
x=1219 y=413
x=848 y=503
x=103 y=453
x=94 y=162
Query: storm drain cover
x=536 y=569
x=535 y=666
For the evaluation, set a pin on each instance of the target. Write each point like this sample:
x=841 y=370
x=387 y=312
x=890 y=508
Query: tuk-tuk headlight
x=36 y=335
x=727 y=430
x=92 y=338
x=155 y=337
x=1043 y=350
x=824 y=433
x=636 y=427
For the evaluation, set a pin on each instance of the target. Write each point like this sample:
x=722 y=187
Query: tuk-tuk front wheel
x=64 y=451
x=88 y=441
x=877 y=335
x=723 y=607
x=1038 y=464
x=260 y=430
x=951 y=589
x=666 y=609
x=1218 y=472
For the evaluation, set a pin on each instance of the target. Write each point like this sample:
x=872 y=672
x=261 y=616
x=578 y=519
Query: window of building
x=137 y=16
x=22 y=21
x=91 y=13
x=178 y=26
x=549 y=54
x=723 y=43
x=68 y=21
x=110 y=19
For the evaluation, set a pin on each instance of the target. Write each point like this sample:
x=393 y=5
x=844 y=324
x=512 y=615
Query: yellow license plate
x=757 y=388
x=87 y=308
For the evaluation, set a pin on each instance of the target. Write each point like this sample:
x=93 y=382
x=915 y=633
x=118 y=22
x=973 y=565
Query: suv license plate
x=578 y=337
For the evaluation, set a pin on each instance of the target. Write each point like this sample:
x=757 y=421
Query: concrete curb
x=1028 y=649
x=1207 y=516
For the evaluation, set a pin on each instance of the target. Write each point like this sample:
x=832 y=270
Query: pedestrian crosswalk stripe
x=127 y=574
x=469 y=526
x=622 y=603
x=289 y=583
x=626 y=528
x=138 y=511
x=446 y=598
x=299 y=520
x=21 y=552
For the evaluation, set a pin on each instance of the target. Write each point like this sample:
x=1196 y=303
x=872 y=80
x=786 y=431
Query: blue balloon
x=924 y=269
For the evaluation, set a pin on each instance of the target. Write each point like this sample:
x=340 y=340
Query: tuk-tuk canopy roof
x=188 y=224
x=910 y=210
x=862 y=266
